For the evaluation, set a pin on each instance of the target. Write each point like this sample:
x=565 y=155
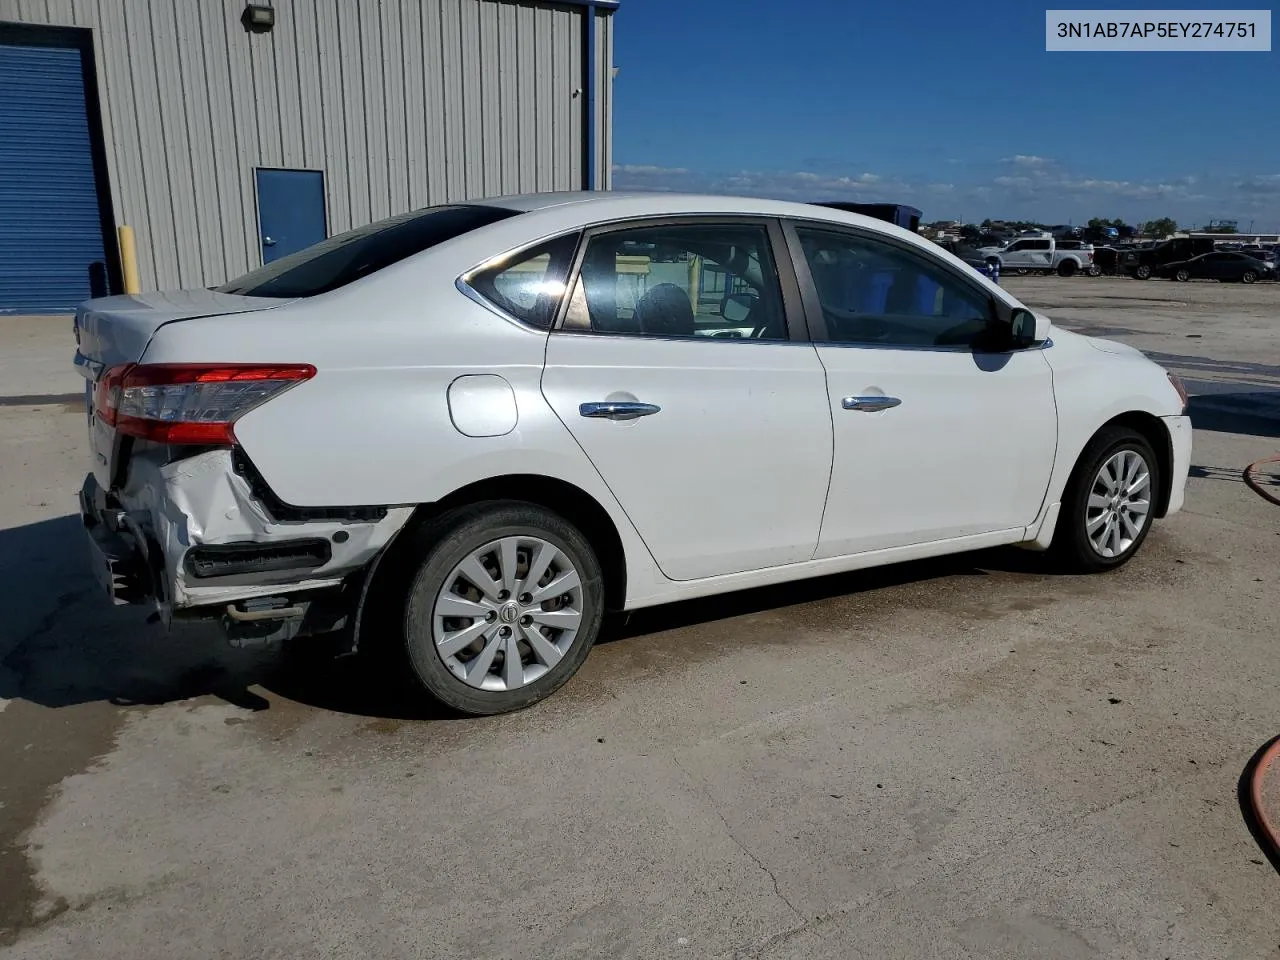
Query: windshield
x=349 y=256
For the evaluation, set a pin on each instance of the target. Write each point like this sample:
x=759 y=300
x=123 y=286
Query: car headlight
x=1182 y=390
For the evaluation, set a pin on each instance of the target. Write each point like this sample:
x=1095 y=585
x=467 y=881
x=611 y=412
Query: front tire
x=504 y=607
x=1249 y=276
x=1109 y=503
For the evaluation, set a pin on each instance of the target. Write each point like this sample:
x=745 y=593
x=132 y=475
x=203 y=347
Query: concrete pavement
x=961 y=758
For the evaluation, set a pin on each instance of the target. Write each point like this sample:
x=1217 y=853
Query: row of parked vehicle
x=1180 y=258
x=1193 y=258
x=1024 y=255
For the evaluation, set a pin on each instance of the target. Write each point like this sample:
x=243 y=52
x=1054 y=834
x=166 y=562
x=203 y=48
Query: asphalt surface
x=962 y=758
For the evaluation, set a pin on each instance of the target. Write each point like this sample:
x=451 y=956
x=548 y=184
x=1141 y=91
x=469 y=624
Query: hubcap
x=1119 y=503
x=507 y=613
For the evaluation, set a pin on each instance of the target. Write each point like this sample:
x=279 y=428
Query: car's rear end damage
x=177 y=514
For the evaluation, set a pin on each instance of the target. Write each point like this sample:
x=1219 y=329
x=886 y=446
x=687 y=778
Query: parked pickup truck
x=1043 y=255
x=1145 y=261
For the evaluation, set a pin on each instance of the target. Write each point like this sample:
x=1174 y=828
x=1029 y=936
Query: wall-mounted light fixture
x=258 y=17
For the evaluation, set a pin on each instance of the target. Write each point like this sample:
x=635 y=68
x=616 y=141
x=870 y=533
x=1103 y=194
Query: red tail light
x=189 y=402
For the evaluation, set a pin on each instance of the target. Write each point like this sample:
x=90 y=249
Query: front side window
x=348 y=257
x=872 y=292
x=529 y=285
x=696 y=280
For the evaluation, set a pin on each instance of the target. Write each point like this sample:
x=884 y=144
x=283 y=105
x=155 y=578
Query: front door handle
x=618 y=410
x=869 y=404
x=268 y=242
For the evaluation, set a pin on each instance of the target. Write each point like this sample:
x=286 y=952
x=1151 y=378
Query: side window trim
x=793 y=308
x=816 y=319
x=464 y=284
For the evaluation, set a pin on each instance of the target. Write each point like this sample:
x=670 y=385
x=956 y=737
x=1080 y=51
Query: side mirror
x=1020 y=327
x=1023 y=328
x=736 y=307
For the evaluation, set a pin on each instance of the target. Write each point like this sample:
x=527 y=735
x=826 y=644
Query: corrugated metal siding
x=50 y=226
x=402 y=104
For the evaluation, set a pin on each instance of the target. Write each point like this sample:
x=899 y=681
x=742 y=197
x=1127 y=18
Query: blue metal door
x=290 y=211
x=51 y=245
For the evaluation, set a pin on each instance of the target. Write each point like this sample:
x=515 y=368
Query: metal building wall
x=604 y=101
x=402 y=104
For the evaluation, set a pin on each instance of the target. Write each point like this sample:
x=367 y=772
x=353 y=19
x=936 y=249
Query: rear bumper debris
x=192 y=536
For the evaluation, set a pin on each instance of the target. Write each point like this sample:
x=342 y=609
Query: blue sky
x=953 y=106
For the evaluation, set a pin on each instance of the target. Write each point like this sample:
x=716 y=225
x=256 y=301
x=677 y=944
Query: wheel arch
x=560 y=496
x=1152 y=429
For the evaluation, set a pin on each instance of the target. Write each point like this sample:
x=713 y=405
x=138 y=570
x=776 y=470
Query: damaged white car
x=472 y=430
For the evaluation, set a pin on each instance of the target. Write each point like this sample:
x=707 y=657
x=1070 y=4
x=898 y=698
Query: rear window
x=349 y=256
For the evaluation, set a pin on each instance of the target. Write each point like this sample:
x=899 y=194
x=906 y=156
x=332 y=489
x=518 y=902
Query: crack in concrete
x=701 y=788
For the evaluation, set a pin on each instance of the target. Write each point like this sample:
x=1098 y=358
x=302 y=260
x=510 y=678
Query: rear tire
x=1182 y=276
x=1109 y=504
x=1068 y=268
x=524 y=549
x=1143 y=272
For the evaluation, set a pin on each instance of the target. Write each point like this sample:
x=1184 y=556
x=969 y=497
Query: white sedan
x=471 y=430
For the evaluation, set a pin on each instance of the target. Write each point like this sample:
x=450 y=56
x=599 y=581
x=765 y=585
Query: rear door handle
x=618 y=410
x=869 y=404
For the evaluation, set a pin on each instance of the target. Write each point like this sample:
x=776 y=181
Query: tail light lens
x=187 y=402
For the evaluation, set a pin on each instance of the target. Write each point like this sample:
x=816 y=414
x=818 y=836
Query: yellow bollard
x=129 y=260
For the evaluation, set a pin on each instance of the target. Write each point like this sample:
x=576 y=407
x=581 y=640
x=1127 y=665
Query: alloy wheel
x=1119 y=503
x=507 y=613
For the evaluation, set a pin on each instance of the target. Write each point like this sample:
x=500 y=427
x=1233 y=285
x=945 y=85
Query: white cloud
x=1264 y=184
x=1026 y=187
x=784 y=184
x=1028 y=160
x=648 y=169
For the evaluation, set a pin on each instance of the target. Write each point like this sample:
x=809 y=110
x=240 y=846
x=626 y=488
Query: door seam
x=831 y=462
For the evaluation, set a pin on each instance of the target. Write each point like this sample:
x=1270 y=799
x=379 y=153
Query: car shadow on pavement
x=64 y=644
x=688 y=613
x=1252 y=414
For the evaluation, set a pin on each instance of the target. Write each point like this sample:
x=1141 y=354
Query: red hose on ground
x=1253 y=483
x=1269 y=829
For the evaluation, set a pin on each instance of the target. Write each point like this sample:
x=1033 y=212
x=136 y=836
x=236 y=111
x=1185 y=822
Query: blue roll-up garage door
x=51 y=245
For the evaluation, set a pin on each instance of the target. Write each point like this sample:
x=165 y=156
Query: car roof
x=602 y=204
x=586 y=207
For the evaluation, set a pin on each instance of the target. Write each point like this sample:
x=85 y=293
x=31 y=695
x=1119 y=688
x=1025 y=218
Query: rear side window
x=529 y=284
x=343 y=259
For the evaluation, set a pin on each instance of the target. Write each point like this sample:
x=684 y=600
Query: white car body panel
x=118 y=329
x=727 y=485
x=968 y=451
x=695 y=476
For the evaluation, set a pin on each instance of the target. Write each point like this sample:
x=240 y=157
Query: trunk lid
x=116 y=330
x=113 y=330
